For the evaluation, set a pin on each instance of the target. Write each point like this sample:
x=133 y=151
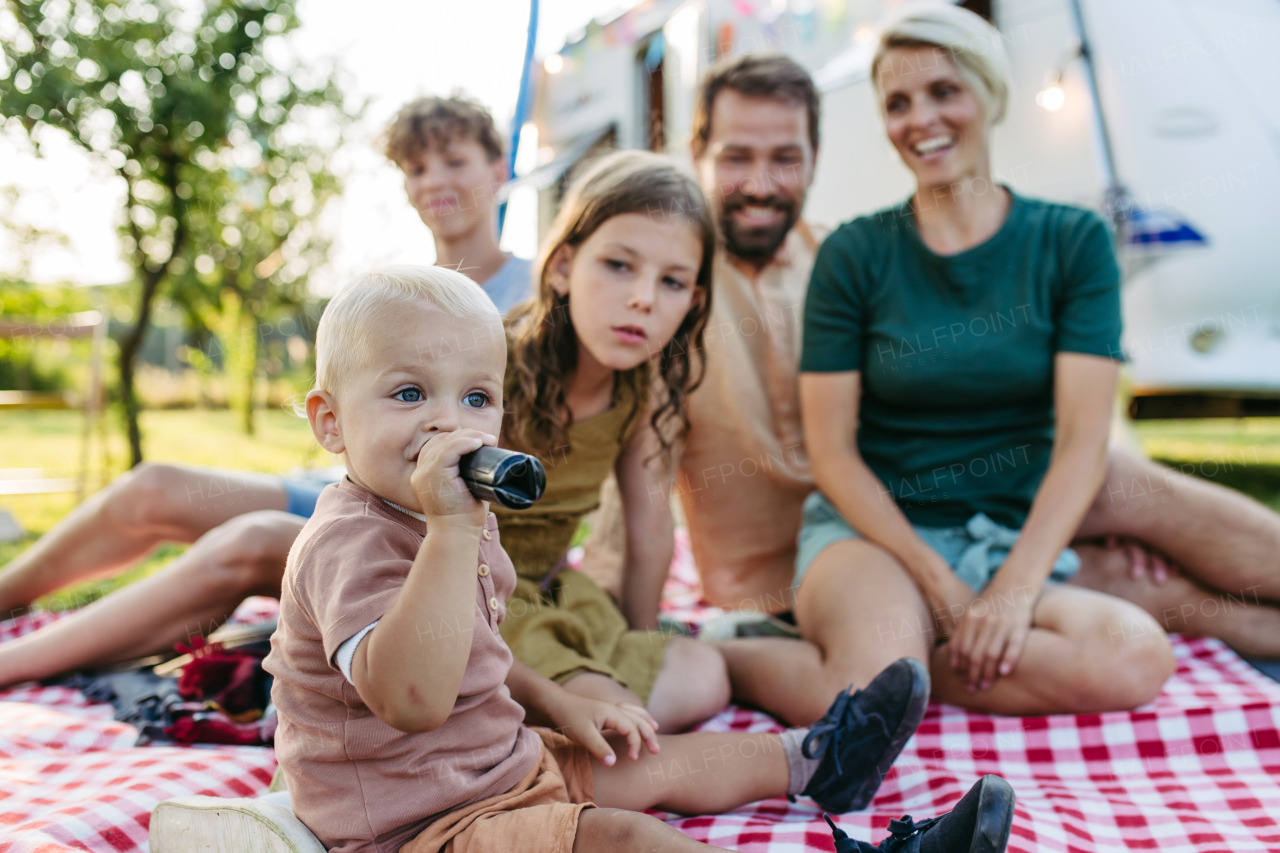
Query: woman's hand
x=989 y=636
x=584 y=722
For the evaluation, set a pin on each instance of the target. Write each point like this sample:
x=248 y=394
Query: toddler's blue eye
x=408 y=395
x=476 y=399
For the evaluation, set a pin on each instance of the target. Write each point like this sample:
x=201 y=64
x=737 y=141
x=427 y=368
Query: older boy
x=452 y=159
x=401 y=707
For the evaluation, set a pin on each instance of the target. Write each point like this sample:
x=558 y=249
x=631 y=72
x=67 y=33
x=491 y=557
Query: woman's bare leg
x=191 y=596
x=1088 y=653
x=124 y=522
x=692 y=686
x=859 y=610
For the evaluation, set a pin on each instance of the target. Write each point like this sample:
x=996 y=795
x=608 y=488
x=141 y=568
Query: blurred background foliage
x=221 y=138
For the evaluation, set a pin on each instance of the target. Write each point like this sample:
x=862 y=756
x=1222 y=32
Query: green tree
x=219 y=134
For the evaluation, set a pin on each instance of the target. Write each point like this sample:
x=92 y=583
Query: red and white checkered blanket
x=1198 y=770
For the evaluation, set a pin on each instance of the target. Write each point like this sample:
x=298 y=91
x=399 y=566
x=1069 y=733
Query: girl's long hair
x=544 y=344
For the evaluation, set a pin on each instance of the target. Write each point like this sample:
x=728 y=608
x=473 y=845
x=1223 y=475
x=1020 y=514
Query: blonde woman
x=956 y=385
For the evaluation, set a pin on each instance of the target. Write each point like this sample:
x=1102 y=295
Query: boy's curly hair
x=544 y=345
x=439 y=121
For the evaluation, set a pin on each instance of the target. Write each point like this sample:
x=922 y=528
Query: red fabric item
x=213 y=727
x=228 y=677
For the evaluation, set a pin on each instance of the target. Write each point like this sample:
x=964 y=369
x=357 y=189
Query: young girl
x=599 y=365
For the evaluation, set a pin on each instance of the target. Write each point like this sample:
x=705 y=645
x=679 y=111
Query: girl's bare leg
x=123 y=523
x=191 y=596
x=692 y=686
x=859 y=610
x=695 y=773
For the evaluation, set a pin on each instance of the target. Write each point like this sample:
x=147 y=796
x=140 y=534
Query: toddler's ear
x=323 y=416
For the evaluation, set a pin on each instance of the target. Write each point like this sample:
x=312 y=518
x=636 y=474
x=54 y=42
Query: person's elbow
x=398 y=698
x=411 y=709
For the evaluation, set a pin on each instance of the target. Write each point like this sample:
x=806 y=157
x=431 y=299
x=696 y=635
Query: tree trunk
x=129 y=346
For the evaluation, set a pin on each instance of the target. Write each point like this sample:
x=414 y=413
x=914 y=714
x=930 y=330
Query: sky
x=393 y=51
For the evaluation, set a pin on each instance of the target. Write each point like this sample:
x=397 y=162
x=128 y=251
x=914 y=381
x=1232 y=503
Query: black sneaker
x=979 y=823
x=862 y=734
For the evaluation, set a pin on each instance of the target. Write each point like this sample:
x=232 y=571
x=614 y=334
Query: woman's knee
x=1124 y=665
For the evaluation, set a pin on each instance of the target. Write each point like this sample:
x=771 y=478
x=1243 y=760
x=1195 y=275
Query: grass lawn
x=1243 y=454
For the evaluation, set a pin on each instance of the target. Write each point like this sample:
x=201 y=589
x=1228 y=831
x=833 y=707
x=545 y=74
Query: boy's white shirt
x=345 y=656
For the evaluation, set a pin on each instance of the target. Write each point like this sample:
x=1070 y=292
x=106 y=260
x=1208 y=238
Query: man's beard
x=757 y=245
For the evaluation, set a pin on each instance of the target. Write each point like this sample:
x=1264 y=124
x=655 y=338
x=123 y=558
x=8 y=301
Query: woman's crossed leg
x=858 y=609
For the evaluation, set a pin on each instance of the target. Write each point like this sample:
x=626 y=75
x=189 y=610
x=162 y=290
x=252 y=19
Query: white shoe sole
x=224 y=825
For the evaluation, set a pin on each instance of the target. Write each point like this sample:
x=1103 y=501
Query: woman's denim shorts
x=975 y=550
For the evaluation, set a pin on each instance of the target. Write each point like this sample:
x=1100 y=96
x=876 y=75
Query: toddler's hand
x=440 y=489
x=584 y=722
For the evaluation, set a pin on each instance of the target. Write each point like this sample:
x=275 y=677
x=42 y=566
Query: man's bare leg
x=859 y=610
x=1183 y=605
x=1224 y=539
x=191 y=596
x=1226 y=543
x=124 y=522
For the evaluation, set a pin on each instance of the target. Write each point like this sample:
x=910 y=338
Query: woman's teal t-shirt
x=956 y=352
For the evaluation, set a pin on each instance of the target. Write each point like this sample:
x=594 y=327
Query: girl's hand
x=584 y=722
x=440 y=489
x=989 y=636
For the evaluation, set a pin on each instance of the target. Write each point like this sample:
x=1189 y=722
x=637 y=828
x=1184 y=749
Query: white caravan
x=1184 y=133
